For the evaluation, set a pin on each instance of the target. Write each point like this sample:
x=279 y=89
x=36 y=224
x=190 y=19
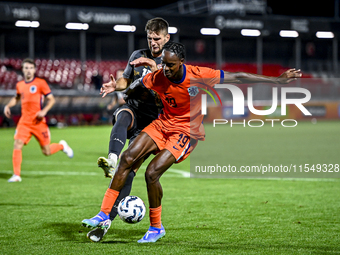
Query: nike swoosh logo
x=175 y=148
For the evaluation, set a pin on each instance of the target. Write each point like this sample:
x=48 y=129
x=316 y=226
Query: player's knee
x=126 y=160
x=18 y=144
x=151 y=176
x=46 y=153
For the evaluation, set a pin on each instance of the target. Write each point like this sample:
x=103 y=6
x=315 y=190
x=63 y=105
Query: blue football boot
x=152 y=235
x=94 y=222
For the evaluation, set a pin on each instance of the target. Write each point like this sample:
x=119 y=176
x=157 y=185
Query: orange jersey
x=32 y=95
x=182 y=100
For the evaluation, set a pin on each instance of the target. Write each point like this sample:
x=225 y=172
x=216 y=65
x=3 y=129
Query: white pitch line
x=48 y=162
x=176 y=172
x=51 y=173
x=181 y=172
x=77 y=163
x=59 y=173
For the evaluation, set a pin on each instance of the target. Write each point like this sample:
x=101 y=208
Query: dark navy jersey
x=142 y=99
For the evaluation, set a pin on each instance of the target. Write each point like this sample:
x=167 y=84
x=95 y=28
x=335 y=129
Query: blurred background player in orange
x=32 y=91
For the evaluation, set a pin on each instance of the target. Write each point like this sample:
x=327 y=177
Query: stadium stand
x=67 y=73
x=64 y=73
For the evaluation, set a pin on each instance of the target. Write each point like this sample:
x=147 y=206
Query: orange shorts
x=178 y=143
x=41 y=132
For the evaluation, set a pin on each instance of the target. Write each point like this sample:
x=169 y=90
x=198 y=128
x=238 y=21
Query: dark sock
x=119 y=132
x=123 y=193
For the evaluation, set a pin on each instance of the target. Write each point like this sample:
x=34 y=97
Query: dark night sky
x=323 y=8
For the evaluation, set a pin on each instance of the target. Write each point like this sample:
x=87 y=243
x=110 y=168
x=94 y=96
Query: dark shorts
x=139 y=121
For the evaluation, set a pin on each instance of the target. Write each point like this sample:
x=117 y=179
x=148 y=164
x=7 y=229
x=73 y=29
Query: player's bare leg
x=154 y=171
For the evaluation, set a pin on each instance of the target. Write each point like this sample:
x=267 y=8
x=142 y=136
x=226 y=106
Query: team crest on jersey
x=159 y=66
x=33 y=89
x=193 y=91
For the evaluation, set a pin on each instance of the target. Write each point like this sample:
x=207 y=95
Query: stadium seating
x=68 y=73
x=65 y=73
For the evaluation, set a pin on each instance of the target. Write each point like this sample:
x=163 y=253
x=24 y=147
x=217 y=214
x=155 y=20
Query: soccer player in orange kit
x=175 y=133
x=32 y=91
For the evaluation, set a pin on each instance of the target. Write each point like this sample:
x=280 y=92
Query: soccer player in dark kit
x=141 y=108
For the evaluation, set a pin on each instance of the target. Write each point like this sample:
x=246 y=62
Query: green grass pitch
x=43 y=213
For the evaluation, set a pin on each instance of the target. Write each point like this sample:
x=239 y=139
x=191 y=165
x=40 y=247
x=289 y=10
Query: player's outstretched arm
x=241 y=77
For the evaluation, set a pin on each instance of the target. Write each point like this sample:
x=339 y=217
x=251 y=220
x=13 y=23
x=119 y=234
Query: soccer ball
x=131 y=209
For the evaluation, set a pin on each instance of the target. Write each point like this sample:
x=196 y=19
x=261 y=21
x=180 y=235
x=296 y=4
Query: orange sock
x=17 y=159
x=155 y=217
x=55 y=147
x=110 y=198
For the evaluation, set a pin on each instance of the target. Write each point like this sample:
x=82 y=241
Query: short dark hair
x=28 y=60
x=176 y=48
x=156 y=25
